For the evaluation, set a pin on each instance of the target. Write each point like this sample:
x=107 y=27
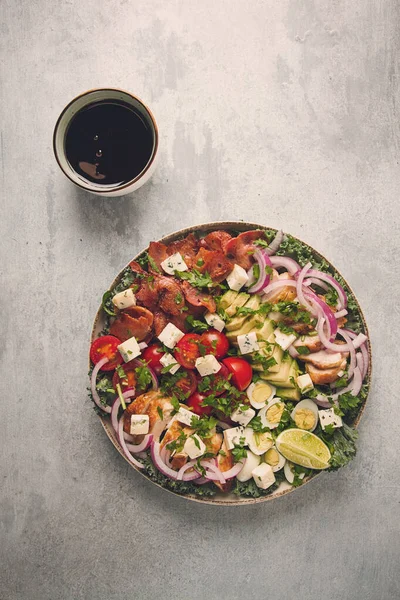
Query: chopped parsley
x=153 y=264
x=196 y=325
x=143 y=377
x=195 y=278
x=160 y=413
x=303 y=350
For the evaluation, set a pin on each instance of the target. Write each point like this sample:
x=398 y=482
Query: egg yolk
x=274 y=413
x=272 y=457
x=304 y=418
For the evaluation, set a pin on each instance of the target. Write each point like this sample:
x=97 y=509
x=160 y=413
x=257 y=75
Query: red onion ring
x=115 y=408
x=363 y=349
x=163 y=468
x=213 y=472
x=299 y=289
x=360 y=339
x=95 y=395
x=360 y=363
x=327 y=311
x=354 y=387
x=332 y=281
x=120 y=436
x=341 y=313
x=353 y=360
x=182 y=470
x=272 y=287
x=235 y=470
x=293 y=352
x=286 y=263
x=223 y=425
x=263 y=261
x=144 y=444
x=276 y=242
x=313 y=280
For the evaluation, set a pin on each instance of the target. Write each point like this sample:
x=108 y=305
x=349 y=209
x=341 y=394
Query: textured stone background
x=279 y=112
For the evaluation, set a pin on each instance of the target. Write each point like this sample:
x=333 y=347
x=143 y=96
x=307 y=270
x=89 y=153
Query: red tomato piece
x=187 y=350
x=214 y=382
x=241 y=371
x=128 y=381
x=106 y=346
x=196 y=403
x=216 y=343
x=152 y=356
x=187 y=383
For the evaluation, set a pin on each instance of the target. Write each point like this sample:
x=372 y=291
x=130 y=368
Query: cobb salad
x=230 y=363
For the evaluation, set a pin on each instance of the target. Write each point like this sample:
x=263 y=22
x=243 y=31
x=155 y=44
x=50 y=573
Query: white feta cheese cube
x=167 y=359
x=174 y=263
x=207 y=365
x=184 y=416
x=248 y=342
x=235 y=436
x=139 y=424
x=237 y=278
x=194 y=446
x=263 y=476
x=284 y=340
x=215 y=321
x=129 y=349
x=170 y=335
x=243 y=414
x=124 y=299
x=305 y=383
x=329 y=417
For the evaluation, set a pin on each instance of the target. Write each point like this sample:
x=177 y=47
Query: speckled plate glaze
x=220 y=498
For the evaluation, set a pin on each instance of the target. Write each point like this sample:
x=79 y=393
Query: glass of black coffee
x=106 y=142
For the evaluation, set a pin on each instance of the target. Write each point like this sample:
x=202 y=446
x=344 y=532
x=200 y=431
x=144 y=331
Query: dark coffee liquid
x=108 y=143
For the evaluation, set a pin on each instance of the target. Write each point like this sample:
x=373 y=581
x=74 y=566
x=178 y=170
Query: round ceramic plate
x=221 y=498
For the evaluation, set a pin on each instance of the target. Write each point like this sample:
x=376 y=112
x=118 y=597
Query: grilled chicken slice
x=324 y=376
x=312 y=342
x=151 y=404
x=286 y=294
x=213 y=443
x=323 y=359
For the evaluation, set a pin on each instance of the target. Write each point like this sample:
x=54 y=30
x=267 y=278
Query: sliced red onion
x=293 y=352
x=201 y=481
x=360 y=363
x=319 y=306
x=223 y=425
x=185 y=468
x=322 y=401
x=120 y=436
x=354 y=388
x=213 y=472
x=313 y=280
x=142 y=363
x=93 y=379
x=165 y=469
x=299 y=289
x=235 y=470
x=142 y=345
x=144 y=444
x=327 y=343
x=286 y=263
x=332 y=281
x=276 y=242
x=275 y=285
x=353 y=360
x=115 y=408
x=263 y=261
x=358 y=338
x=340 y=313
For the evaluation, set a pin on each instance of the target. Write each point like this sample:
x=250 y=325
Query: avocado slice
x=288 y=393
x=227 y=299
x=238 y=302
x=270 y=350
x=282 y=378
x=237 y=322
x=266 y=330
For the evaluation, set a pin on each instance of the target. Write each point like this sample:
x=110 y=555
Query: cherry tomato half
x=152 y=356
x=213 y=384
x=216 y=343
x=187 y=383
x=128 y=381
x=187 y=350
x=241 y=371
x=106 y=346
x=196 y=403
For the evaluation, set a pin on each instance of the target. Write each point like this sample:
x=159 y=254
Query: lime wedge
x=303 y=448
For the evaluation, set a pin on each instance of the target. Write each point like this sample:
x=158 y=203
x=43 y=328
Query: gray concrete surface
x=284 y=113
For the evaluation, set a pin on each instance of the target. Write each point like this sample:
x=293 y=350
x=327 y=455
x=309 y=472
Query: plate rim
x=218 y=500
